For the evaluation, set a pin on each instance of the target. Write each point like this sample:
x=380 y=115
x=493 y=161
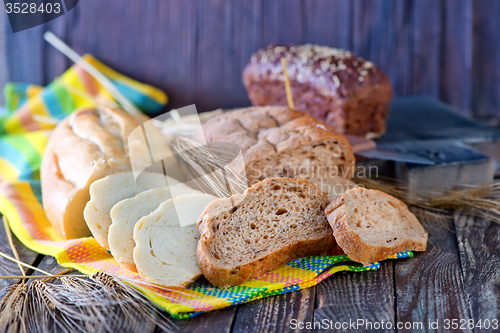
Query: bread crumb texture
x=275 y=221
x=278 y=142
x=371 y=225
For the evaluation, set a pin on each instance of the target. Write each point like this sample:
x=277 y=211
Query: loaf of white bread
x=86 y=146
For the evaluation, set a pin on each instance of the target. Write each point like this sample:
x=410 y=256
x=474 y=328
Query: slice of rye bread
x=370 y=225
x=273 y=222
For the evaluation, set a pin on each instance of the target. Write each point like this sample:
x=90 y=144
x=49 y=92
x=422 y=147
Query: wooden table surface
x=458 y=277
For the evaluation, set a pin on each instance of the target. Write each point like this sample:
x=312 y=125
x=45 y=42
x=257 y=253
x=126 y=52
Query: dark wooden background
x=195 y=49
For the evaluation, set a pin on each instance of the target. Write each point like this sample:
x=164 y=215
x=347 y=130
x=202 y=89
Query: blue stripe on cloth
x=315 y=264
x=53 y=103
x=145 y=103
x=235 y=294
x=18 y=160
x=36 y=187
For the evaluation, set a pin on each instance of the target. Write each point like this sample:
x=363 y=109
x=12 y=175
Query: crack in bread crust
x=82 y=148
x=281 y=139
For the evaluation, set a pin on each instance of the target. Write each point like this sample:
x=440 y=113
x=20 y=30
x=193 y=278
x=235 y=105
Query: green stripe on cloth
x=57 y=106
x=64 y=97
x=15 y=95
x=27 y=159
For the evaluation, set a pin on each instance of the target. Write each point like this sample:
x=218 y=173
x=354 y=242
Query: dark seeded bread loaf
x=346 y=92
x=272 y=223
x=370 y=225
x=279 y=142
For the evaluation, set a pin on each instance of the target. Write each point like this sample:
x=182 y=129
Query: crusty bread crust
x=224 y=277
x=354 y=245
x=268 y=136
x=86 y=146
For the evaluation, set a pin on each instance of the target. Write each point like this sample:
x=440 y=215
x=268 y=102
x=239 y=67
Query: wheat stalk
x=79 y=303
x=8 y=232
x=479 y=201
x=205 y=166
x=288 y=88
x=89 y=68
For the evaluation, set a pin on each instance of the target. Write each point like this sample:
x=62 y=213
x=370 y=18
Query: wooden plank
x=486 y=55
x=404 y=39
x=213 y=39
x=8 y=267
x=196 y=51
x=282 y=22
x=280 y=313
x=55 y=62
x=26 y=56
x=456 y=57
x=479 y=245
x=4 y=27
x=329 y=22
x=429 y=287
x=426 y=47
x=394 y=54
x=153 y=42
x=214 y=321
x=242 y=38
x=50 y=265
x=346 y=297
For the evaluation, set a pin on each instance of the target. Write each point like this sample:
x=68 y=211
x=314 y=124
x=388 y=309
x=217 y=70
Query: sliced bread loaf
x=108 y=191
x=165 y=253
x=278 y=142
x=126 y=213
x=273 y=222
x=370 y=225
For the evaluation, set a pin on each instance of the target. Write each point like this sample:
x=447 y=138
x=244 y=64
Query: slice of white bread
x=370 y=225
x=273 y=222
x=333 y=187
x=106 y=192
x=126 y=213
x=165 y=252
